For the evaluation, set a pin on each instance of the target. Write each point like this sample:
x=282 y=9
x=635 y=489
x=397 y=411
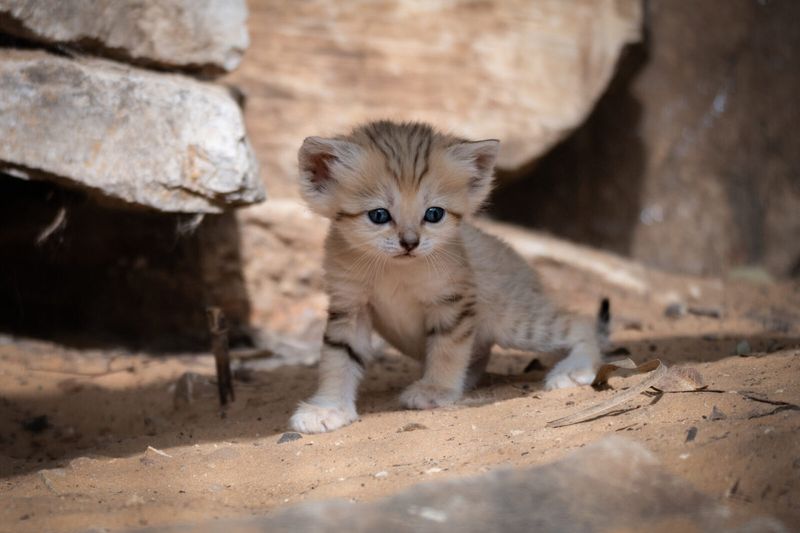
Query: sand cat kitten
x=402 y=258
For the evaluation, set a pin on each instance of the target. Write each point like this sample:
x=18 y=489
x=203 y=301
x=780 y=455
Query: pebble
x=289 y=436
x=382 y=473
x=675 y=310
x=716 y=414
x=743 y=348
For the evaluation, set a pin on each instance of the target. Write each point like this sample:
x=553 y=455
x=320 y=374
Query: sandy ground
x=99 y=438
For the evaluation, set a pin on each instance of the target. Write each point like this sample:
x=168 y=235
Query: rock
x=743 y=348
x=207 y=36
x=184 y=389
x=156 y=140
x=523 y=72
x=658 y=172
x=717 y=414
x=675 y=310
x=613 y=485
x=289 y=436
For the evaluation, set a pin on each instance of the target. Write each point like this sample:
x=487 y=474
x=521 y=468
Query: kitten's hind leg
x=477 y=366
x=552 y=329
x=345 y=347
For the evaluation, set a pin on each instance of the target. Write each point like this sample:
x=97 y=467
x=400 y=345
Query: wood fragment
x=658 y=369
x=218 y=327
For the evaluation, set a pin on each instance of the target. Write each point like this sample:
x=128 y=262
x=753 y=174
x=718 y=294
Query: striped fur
x=445 y=302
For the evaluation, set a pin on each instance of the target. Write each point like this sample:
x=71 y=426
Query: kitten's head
x=398 y=190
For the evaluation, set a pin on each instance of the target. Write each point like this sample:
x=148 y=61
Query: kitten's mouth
x=405 y=255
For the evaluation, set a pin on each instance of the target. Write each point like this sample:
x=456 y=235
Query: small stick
x=218 y=327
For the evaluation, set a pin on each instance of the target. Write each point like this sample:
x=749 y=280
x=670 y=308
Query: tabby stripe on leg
x=467 y=312
x=336 y=314
x=356 y=358
x=451 y=298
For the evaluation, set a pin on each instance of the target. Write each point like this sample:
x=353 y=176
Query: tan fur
x=444 y=302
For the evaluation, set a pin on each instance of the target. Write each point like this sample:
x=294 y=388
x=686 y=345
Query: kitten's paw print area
x=562 y=378
x=422 y=395
x=310 y=418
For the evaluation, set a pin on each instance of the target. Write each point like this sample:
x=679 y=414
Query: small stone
x=382 y=473
x=716 y=414
x=743 y=348
x=691 y=433
x=289 y=436
x=675 y=310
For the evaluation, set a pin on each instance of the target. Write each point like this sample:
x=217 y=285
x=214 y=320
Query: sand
x=120 y=448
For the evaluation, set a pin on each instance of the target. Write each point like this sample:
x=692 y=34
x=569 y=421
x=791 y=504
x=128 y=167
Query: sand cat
x=402 y=258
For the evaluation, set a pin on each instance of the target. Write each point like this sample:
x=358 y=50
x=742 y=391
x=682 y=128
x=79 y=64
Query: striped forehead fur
x=405 y=147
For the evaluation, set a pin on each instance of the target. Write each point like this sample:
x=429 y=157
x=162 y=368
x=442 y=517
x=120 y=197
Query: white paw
x=563 y=376
x=420 y=395
x=310 y=418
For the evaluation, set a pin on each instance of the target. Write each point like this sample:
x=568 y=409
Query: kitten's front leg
x=345 y=349
x=450 y=326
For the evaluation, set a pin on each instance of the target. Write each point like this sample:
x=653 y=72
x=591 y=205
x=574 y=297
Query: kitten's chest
x=398 y=314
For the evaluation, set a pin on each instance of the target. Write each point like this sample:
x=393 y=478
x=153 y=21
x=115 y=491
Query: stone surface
x=157 y=140
x=690 y=160
x=524 y=72
x=612 y=485
x=207 y=36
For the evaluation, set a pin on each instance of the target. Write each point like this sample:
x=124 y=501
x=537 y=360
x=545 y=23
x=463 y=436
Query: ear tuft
x=479 y=157
x=322 y=164
x=315 y=158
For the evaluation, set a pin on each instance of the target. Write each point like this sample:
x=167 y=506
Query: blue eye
x=434 y=214
x=379 y=216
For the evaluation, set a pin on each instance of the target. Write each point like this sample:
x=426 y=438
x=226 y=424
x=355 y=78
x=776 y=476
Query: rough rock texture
x=690 y=161
x=573 y=494
x=156 y=140
x=524 y=72
x=207 y=36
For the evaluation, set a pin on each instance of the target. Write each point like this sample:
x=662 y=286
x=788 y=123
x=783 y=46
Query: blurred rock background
x=660 y=130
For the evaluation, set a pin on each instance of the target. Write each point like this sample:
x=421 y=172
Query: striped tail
x=604 y=324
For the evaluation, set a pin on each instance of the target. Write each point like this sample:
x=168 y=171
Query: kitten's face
x=400 y=222
x=396 y=191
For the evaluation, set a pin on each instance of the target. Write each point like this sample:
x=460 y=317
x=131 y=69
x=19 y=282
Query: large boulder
x=524 y=72
x=157 y=140
x=613 y=485
x=690 y=160
x=207 y=36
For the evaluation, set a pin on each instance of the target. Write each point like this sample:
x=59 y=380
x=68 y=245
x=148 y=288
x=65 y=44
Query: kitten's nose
x=409 y=242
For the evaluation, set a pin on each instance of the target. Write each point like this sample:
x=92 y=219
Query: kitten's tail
x=603 y=328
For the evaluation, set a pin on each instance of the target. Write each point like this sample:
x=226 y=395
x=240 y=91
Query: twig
x=58 y=222
x=251 y=354
x=659 y=370
x=218 y=327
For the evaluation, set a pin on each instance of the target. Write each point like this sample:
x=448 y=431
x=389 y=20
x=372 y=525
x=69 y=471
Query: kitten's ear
x=323 y=164
x=479 y=157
